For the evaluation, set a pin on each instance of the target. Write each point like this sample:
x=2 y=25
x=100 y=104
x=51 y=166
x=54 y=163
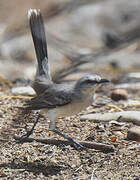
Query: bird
x=56 y=100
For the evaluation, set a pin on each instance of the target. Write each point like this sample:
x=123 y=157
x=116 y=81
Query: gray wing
x=49 y=100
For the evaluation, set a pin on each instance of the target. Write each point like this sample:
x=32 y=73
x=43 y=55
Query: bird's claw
x=78 y=146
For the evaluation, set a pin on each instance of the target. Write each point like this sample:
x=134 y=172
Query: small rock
x=116 y=123
x=119 y=94
x=131 y=102
x=125 y=116
x=23 y=91
x=113 y=138
x=134 y=133
x=134 y=75
x=135 y=86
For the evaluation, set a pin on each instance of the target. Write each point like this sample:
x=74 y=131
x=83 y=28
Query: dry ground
x=40 y=161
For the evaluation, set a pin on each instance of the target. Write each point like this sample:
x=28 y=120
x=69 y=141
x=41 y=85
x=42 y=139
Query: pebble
x=134 y=133
x=125 y=116
x=131 y=102
x=119 y=94
x=132 y=86
x=28 y=90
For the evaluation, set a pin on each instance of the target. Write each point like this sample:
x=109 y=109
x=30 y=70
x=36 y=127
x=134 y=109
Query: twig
x=87 y=144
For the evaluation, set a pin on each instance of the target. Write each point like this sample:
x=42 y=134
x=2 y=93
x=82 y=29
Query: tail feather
x=39 y=38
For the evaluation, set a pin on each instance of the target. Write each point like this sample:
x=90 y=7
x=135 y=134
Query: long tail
x=39 y=38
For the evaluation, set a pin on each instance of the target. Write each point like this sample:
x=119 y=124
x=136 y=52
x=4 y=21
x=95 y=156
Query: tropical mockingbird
x=56 y=100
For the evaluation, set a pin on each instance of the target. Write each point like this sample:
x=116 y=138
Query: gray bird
x=56 y=100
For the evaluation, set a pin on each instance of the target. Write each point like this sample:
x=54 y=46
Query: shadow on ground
x=34 y=167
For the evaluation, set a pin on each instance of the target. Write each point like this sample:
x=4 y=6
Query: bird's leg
x=74 y=143
x=29 y=132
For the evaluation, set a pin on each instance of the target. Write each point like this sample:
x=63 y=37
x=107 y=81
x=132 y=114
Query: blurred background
x=84 y=36
x=98 y=36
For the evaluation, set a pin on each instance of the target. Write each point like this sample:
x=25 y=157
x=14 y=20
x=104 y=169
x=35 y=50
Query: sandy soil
x=40 y=161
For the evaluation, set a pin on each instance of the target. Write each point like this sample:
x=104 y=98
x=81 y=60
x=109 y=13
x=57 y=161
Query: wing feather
x=49 y=100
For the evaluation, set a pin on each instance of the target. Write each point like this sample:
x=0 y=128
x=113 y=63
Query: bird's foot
x=26 y=135
x=29 y=132
x=75 y=144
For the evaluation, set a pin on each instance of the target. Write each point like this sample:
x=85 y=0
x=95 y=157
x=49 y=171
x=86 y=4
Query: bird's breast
x=74 y=107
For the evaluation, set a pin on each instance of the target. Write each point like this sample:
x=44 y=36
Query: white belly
x=67 y=110
x=74 y=108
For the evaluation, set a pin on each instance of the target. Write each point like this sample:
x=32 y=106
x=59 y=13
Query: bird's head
x=89 y=83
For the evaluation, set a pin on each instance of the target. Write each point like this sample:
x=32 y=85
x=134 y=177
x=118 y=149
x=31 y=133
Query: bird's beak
x=103 y=81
